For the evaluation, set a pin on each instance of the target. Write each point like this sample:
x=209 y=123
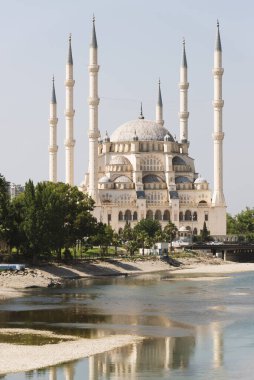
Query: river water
x=200 y=327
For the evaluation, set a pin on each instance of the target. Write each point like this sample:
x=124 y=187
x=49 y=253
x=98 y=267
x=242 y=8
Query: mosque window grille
x=151 y=164
x=154 y=198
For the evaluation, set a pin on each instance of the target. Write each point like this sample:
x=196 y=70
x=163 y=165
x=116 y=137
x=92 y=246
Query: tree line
x=49 y=218
x=242 y=225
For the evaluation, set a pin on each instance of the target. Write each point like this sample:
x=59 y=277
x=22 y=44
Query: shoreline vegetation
x=16 y=284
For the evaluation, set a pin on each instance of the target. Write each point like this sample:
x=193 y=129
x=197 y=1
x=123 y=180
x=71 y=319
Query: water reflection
x=195 y=330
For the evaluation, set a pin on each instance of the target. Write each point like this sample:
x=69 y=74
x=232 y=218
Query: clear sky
x=139 y=41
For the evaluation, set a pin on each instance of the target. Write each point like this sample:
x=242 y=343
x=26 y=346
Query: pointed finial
x=184 y=60
x=69 y=58
x=94 y=39
x=141 y=112
x=53 y=97
x=159 y=102
x=218 y=41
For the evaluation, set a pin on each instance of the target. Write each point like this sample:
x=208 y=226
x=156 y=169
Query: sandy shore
x=13 y=284
x=17 y=358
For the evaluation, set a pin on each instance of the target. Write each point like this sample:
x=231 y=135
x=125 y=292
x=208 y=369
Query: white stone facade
x=141 y=171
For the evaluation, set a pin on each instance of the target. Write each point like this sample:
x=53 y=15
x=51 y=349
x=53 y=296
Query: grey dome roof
x=104 y=179
x=151 y=178
x=145 y=130
x=178 y=161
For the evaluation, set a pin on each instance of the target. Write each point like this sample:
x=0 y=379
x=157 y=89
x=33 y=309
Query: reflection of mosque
x=151 y=355
x=68 y=372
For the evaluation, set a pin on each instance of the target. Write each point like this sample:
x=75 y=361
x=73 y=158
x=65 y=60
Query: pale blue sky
x=139 y=41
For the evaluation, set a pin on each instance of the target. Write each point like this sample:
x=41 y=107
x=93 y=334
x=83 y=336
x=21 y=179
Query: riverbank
x=14 y=284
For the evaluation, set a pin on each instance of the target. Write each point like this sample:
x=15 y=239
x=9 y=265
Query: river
x=200 y=327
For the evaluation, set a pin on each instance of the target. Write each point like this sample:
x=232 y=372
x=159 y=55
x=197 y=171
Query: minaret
x=93 y=102
x=53 y=148
x=159 y=108
x=184 y=85
x=69 y=115
x=218 y=135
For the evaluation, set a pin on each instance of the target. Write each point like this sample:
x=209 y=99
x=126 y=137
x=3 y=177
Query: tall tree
x=4 y=209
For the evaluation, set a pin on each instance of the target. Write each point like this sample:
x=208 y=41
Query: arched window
x=120 y=231
x=180 y=216
x=157 y=215
x=166 y=215
x=135 y=215
x=195 y=216
x=187 y=215
x=120 y=215
x=127 y=215
x=149 y=214
x=202 y=203
x=195 y=231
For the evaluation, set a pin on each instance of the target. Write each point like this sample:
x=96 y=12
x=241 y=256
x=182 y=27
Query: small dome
x=123 y=179
x=106 y=138
x=119 y=160
x=145 y=130
x=168 y=137
x=104 y=179
x=200 y=180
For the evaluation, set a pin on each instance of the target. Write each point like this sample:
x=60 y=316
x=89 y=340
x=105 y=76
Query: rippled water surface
x=196 y=328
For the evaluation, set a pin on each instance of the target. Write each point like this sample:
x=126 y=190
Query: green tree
x=169 y=233
x=150 y=227
x=102 y=237
x=52 y=216
x=204 y=233
x=4 y=209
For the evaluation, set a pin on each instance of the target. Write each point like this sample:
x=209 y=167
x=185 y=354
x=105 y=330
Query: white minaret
x=159 y=108
x=53 y=148
x=184 y=85
x=93 y=102
x=218 y=135
x=69 y=115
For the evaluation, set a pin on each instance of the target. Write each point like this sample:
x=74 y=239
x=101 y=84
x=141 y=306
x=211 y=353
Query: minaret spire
x=218 y=135
x=159 y=107
x=53 y=148
x=141 y=116
x=183 y=86
x=93 y=102
x=69 y=116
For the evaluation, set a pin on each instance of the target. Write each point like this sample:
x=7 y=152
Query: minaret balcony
x=53 y=149
x=93 y=68
x=183 y=115
x=218 y=103
x=93 y=101
x=69 y=143
x=218 y=136
x=218 y=71
x=184 y=86
x=69 y=83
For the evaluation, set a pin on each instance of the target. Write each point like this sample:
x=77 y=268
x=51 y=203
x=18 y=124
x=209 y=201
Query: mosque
x=141 y=170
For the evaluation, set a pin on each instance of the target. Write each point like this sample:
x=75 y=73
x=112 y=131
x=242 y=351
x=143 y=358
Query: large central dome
x=140 y=129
